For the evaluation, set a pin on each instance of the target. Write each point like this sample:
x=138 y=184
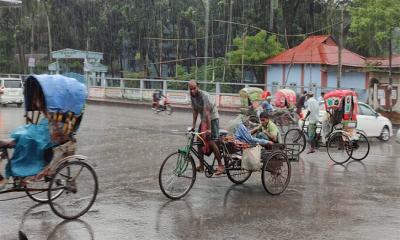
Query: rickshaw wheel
x=276 y=173
x=295 y=136
x=79 y=183
x=177 y=175
x=339 y=147
x=235 y=172
x=41 y=197
x=360 y=147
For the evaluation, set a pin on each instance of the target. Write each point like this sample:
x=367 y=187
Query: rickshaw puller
x=201 y=104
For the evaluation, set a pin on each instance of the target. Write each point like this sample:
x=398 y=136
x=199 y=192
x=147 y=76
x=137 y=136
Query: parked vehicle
x=372 y=123
x=11 y=91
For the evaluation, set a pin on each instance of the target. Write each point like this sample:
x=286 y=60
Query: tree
x=253 y=50
x=372 y=25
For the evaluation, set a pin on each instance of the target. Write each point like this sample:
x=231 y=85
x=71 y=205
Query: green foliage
x=122 y=28
x=75 y=65
x=373 y=23
x=255 y=49
x=137 y=56
x=140 y=74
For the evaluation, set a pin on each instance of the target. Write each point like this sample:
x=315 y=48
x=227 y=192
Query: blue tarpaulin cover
x=62 y=94
x=31 y=142
x=242 y=134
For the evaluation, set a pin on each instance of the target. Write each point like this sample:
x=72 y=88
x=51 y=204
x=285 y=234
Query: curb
x=120 y=102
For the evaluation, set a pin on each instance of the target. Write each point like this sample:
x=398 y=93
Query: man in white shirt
x=313 y=118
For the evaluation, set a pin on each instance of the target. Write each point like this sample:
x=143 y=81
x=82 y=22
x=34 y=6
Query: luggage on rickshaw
x=44 y=163
x=250 y=98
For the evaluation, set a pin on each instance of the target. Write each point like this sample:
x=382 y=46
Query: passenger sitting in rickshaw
x=266 y=105
x=239 y=128
x=33 y=143
x=267 y=129
x=29 y=143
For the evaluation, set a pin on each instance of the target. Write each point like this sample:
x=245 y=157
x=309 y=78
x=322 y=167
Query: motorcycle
x=163 y=105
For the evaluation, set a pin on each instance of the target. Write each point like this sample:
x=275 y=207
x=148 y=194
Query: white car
x=368 y=121
x=11 y=91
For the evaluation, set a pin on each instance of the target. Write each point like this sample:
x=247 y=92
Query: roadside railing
x=225 y=94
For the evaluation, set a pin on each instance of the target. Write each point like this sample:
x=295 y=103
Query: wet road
x=359 y=200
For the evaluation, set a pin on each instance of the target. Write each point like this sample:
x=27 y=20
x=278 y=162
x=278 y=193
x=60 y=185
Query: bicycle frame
x=18 y=182
x=190 y=149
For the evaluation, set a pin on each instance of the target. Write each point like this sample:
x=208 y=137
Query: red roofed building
x=313 y=63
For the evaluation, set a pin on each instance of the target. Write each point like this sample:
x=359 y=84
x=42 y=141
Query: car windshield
x=12 y=83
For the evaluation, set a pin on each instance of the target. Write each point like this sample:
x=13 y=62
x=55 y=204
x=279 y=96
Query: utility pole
x=195 y=43
x=271 y=15
x=390 y=74
x=244 y=45
x=48 y=31
x=339 y=73
x=228 y=39
x=177 y=52
x=160 y=46
x=207 y=6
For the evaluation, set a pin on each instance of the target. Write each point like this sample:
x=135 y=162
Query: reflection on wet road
x=357 y=200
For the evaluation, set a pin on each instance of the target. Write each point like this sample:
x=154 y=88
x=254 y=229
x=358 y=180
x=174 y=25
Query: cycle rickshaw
x=178 y=172
x=284 y=115
x=250 y=98
x=54 y=108
x=337 y=131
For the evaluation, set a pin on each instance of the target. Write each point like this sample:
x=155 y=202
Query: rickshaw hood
x=253 y=93
x=62 y=94
x=334 y=98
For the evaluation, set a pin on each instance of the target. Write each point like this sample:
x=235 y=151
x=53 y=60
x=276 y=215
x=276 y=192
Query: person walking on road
x=313 y=118
x=203 y=104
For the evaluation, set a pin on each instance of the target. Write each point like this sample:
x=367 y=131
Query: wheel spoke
x=78 y=196
x=177 y=175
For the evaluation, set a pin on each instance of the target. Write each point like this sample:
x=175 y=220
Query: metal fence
x=225 y=94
